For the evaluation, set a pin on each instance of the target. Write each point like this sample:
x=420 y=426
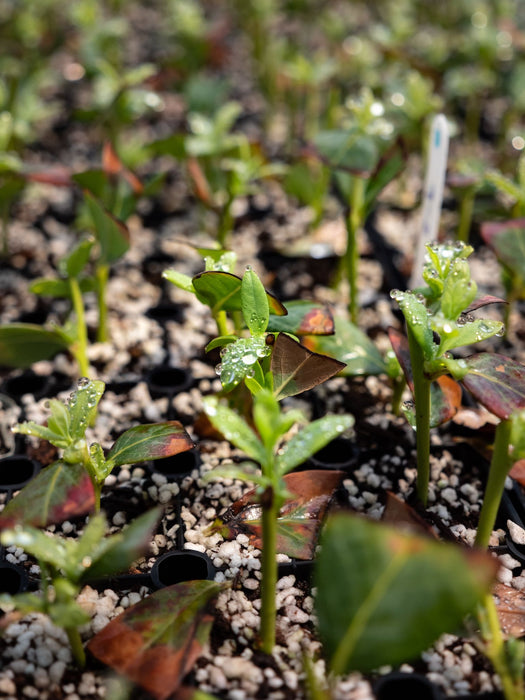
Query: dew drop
x=218 y=368
x=501 y=332
x=82 y=382
x=249 y=359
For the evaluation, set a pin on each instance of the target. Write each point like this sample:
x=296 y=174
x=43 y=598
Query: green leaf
x=51 y=550
x=254 y=303
x=42 y=432
x=60 y=419
x=221 y=291
x=238 y=360
x=234 y=429
x=417 y=318
x=60 y=289
x=469 y=333
x=58 y=492
x=83 y=404
x=458 y=291
x=150 y=441
x=220 y=341
x=23 y=344
x=296 y=369
x=304 y=318
x=351 y=346
x=347 y=149
x=505 y=185
x=384 y=596
x=179 y=280
x=310 y=440
x=507 y=239
x=497 y=382
x=111 y=233
x=124 y=548
x=166 y=631
x=76 y=261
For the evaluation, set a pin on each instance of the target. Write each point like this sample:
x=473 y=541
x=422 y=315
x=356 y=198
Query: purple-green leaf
x=156 y=642
x=497 y=382
x=304 y=318
x=59 y=492
x=150 y=441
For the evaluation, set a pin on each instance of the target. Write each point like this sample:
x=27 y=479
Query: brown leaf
x=510 y=604
x=299 y=518
x=402 y=516
x=518 y=471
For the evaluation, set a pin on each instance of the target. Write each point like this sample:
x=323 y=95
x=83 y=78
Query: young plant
x=275 y=460
x=438 y=320
x=66 y=429
x=67 y=564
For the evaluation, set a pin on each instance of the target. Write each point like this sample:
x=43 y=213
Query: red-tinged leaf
x=112 y=165
x=445 y=393
x=222 y=291
x=59 y=492
x=304 y=318
x=510 y=604
x=199 y=182
x=484 y=301
x=404 y=517
x=518 y=471
x=296 y=369
x=156 y=642
x=299 y=519
x=150 y=441
x=57 y=175
x=497 y=382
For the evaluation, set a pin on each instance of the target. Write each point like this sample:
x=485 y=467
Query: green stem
x=269 y=576
x=494 y=648
x=353 y=222
x=225 y=226
x=76 y=646
x=465 y=214
x=422 y=410
x=398 y=386
x=499 y=468
x=79 y=348
x=102 y=276
x=222 y=322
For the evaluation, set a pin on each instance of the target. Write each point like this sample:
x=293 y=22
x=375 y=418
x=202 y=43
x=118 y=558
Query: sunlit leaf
x=299 y=518
x=150 y=441
x=234 y=429
x=59 y=492
x=156 y=642
x=296 y=369
x=254 y=303
x=497 y=382
x=222 y=291
x=384 y=596
x=351 y=346
x=304 y=318
x=111 y=233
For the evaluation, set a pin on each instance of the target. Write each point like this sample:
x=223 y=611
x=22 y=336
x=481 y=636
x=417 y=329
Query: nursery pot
x=177 y=466
x=16 y=471
x=405 y=686
x=178 y=566
x=26 y=383
x=13 y=578
x=165 y=380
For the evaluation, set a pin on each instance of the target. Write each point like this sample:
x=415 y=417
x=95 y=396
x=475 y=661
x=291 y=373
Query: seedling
x=66 y=429
x=438 y=320
x=66 y=564
x=264 y=448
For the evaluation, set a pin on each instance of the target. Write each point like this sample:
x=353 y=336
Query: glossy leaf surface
x=150 y=441
x=385 y=596
x=304 y=318
x=497 y=382
x=296 y=369
x=238 y=360
x=59 y=492
x=351 y=346
x=222 y=291
x=234 y=429
x=254 y=303
x=22 y=344
x=156 y=642
x=299 y=519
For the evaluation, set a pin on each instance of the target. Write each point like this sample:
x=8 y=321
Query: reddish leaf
x=112 y=165
x=59 y=492
x=57 y=175
x=304 y=318
x=156 y=642
x=497 y=382
x=510 y=604
x=484 y=301
x=296 y=369
x=404 y=517
x=150 y=441
x=199 y=182
x=299 y=519
x=518 y=471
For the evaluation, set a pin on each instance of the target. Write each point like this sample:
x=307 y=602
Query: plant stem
x=222 y=322
x=79 y=348
x=494 y=649
x=499 y=468
x=465 y=214
x=398 y=386
x=76 y=645
x=353 y=222
x=422 y=410
x=102 y=276
x=269 y=575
